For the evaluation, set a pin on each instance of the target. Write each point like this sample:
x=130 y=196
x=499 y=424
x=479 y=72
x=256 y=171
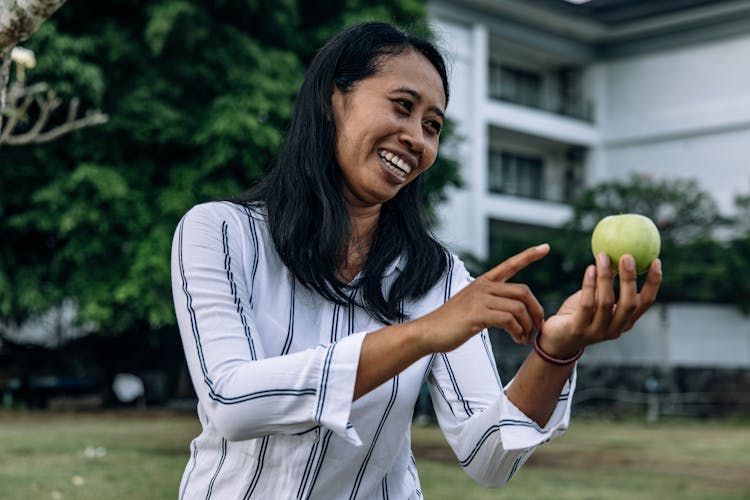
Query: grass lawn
x=136 y=456
x=602 y=460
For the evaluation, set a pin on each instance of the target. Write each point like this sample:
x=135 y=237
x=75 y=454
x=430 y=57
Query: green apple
x=634 y=234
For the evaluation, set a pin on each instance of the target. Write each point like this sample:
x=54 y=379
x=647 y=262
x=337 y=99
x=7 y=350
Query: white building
x=549 y=96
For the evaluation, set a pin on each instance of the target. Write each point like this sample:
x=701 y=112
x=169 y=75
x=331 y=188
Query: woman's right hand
x=489 y=301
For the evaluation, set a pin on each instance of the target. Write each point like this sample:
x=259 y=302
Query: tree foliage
x=738 y=255
x=199 y=94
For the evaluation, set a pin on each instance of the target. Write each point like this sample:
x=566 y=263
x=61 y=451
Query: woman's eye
x=435 y=125
x=404 y=103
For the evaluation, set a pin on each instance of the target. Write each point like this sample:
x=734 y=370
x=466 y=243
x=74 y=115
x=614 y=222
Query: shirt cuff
x=336 y=389
x=518 y=431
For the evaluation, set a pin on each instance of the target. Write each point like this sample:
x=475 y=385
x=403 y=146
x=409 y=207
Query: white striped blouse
x=273 y=365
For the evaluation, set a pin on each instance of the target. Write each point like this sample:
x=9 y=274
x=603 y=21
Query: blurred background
x=118 y=116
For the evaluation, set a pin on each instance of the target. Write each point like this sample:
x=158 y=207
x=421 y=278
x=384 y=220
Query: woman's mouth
x=395 y=164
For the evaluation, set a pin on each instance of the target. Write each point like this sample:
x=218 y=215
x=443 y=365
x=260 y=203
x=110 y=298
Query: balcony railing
x=552 y=92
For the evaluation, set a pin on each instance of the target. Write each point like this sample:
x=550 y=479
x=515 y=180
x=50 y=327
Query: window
x=559 y=89
x=515 y=174
x=516 y=85
x=570 y=98
x=573 y=174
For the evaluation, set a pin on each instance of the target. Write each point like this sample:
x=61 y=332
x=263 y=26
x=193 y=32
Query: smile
x=395 y=163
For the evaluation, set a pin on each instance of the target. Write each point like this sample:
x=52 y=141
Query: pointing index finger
x=509 y=267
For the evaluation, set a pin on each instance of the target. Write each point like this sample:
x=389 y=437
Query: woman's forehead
x=411 y=70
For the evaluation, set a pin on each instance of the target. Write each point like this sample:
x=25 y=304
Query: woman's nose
x=413 y=137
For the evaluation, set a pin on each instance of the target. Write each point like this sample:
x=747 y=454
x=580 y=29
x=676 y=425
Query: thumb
x=509 y=267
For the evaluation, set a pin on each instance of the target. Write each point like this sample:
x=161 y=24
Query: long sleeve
x=490 y=436
x=245 y=390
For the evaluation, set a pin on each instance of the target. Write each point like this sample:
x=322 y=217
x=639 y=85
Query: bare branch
x=89 y=120
x=4 y=76
x=15 y=112
x=46 y=101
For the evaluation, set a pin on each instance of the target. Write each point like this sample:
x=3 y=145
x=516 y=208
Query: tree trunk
x=19 y=19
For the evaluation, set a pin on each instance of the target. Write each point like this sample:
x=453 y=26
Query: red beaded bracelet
x=555 y=361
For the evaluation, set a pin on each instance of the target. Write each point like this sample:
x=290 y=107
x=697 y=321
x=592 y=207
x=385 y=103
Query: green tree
x=198 y=94
x=738 y=256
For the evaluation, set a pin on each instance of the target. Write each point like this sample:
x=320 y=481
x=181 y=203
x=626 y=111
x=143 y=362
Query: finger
x=605 y=296
x=587 y=299
x=509 y=267
x=651 y=286
x=522 y=293
x=518 y=310
x=506 y=321
x=648 y=293
x=628 y=300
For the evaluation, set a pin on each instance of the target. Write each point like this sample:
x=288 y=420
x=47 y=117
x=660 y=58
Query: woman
x=313 y=309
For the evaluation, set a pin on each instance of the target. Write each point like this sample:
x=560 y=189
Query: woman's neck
x=363 y=222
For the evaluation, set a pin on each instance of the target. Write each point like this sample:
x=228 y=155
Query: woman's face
x=388 y=128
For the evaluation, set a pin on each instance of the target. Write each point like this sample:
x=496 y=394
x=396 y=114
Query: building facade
x=551 y=96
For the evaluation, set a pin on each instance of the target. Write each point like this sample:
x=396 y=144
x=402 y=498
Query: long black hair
x=303 y=192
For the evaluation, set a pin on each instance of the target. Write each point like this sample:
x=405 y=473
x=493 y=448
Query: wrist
x=417 y=339
x=560 y=355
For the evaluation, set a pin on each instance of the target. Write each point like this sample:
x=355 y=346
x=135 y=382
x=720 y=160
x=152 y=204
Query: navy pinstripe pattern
x=324 y=382
x=454 y=384
x=334 y=335
x=335 y=322
x=290 y=327
x=350 y=323
x=324 y=449
x=493 y=429
x=490 y=356
x=256 y=254
x=412 y=469
x=445 y=398
x=448 y=280
x=201 y=358
x=308 y=468
x=194 y=460
x=258 y=468
x=233 y=288
x=360 y=474
x=191 y=311
x=514 y=468
x=218 y=468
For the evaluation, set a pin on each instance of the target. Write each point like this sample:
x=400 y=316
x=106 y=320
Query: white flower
x=24 y=57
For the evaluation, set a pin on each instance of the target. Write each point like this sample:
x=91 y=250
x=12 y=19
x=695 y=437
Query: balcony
x=557 y=91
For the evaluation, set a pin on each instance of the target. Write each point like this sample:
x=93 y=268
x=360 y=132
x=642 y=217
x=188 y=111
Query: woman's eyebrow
x=418 y=97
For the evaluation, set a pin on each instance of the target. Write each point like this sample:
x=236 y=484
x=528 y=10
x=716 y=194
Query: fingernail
x=629 y=262
x=543 y=246
x=603 y=259
x=658 y=265
x=591 y=272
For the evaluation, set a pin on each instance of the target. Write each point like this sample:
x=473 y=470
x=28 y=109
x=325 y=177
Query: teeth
x=397 y=162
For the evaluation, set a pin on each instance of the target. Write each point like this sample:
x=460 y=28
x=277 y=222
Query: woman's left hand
x=593 y=314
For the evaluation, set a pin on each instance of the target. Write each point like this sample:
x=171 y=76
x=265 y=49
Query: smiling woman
x=388 y=127
x=313 y=308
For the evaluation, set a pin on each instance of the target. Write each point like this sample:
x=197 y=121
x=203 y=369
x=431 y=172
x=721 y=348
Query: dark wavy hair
x=303 y=192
